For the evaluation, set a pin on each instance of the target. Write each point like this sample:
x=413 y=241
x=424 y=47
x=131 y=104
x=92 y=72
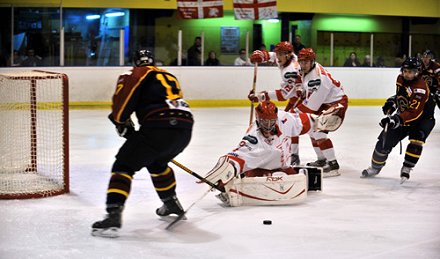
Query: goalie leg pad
x=224 y=171
x=278 y=189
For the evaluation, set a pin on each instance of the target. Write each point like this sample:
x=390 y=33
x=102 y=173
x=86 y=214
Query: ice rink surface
x=351 y=218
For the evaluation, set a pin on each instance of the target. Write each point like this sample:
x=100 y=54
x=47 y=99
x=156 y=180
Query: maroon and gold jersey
x=413 y=100
x=154 y=95
x=431 y=75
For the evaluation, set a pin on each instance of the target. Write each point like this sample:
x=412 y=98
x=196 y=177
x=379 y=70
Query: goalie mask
x=143 y=58
x=267 y=116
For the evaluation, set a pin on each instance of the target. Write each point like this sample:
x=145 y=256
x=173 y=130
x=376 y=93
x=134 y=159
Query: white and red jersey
x=257 y=151
x=320 y=88
x=291 y=79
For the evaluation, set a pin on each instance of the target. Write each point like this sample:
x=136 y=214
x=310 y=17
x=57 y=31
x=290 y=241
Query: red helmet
x=267 y=116
x=284 y=46
x=306 y=54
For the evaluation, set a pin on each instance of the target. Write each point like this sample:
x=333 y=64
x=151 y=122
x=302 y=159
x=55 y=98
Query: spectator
x=297 y=45
x=398 y=60
x=31 y=60
x=352 y=61
x=195 y=53
x=212 y=59
x=184 y=60
x=17 y=60
x=380 y=62
x=3 y=61
x=367 y=62
x=242 y=60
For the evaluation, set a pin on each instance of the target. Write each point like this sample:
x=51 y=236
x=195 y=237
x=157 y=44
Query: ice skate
x=318 y=163
x=331 y=169
x=171 y=205
x=370 y=172
x=404 y=174
x=294 y=160
x=109 y=227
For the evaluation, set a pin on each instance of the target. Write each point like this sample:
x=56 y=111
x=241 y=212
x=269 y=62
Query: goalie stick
x=182 y=216
x=186 y=169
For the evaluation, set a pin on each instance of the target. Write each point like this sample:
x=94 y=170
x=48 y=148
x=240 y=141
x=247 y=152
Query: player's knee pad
x=224 y=171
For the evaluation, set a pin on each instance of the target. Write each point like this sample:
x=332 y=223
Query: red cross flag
x=199 y=9
x=255 y=9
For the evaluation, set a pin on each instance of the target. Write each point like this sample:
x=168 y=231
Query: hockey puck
x=267 y=222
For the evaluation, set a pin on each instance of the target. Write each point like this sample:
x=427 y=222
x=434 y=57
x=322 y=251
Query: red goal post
x=34 y=134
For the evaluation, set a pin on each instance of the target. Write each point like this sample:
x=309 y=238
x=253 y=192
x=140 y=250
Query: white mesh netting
x=32 y=129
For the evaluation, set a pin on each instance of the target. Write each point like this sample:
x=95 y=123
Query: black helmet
x=143 y=58
x=428 y=53
x=411 y=63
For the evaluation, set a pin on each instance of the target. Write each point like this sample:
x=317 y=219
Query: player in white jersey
x=290 y=86
x=321 y=93
x=264 y=150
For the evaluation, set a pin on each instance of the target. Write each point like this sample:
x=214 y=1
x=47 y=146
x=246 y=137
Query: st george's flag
x=199 y=9
x=255 y=9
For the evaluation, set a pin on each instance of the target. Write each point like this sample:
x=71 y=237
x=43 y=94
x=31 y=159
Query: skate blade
x=107 y=232
x=172 y=217
x=331 y=174
x=403 y=179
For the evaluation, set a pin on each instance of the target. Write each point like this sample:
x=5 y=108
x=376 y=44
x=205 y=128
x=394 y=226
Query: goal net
x=33 y=134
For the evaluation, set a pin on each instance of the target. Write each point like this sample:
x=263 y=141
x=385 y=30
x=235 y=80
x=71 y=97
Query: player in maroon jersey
x=410 y=112
x=166 y=122
x=430 y=72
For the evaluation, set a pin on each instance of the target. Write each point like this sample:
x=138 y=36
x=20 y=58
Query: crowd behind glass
x=95 y=40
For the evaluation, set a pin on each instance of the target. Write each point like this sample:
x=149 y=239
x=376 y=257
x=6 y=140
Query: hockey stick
x=254 y=86
x=385 y=130
x=180 y=217
x=186 y=169
x=289 y=106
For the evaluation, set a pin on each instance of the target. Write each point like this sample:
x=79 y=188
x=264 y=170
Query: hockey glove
x=259 y=97
x=260 y=56
x=392 y=121
x=123 y=129
x=390 y=106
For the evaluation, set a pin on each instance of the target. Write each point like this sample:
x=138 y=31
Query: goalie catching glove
x=123 y=129
x=260 y=56
x=328 y=120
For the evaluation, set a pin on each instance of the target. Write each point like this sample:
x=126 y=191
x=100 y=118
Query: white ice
x=351 y=218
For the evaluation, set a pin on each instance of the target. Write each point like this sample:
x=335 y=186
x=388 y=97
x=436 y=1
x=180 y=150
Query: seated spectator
x=31 y=60
x=242 y=60
x=352 y=61
x=398 y=60
x=184 y=60
x=380 y=62
x=212 y=59
x=367 y=62
x=17 y=60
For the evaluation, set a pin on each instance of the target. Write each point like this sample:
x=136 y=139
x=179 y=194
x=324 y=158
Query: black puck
x=267 y=222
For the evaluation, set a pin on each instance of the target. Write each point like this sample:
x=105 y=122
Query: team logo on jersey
x=284 y=120
x=251 y=139
x=290 y=75
x=314 y=84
